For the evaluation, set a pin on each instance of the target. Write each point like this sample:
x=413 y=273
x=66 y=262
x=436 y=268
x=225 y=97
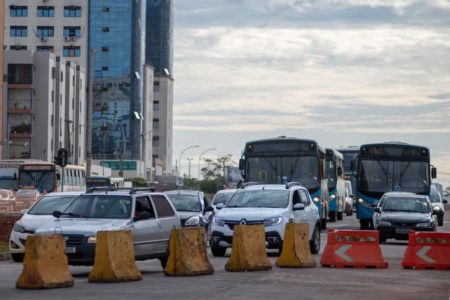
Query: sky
x=342 y=72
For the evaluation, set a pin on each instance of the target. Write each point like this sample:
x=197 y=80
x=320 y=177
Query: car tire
x=17 y=257
x=339 y=216
x=440 y=220
x=218 y=251
x=314 y=243
x=163 y=260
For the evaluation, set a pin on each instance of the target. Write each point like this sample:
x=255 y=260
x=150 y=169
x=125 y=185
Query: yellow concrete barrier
x=45 y=264
x=296 y=251
x=114 y=258
x=187 y=253
x=248 y=252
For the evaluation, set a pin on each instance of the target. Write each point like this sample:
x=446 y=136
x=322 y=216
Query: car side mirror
x=208 y=209
x=433 y=172
x=241 y=164
x=445 y=201
x=377 y=210
x=142 y=216
x=298 y=206
x=220 y=206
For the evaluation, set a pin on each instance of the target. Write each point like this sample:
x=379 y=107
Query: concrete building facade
x=42 y=94
x=3 y=140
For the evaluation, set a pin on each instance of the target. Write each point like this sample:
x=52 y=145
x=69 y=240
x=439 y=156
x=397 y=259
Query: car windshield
x=100 y=207
x=185 y=202
x=221 y=198
x=435 y=197
x=260 y=198
x=49 y=203
x=406 y=204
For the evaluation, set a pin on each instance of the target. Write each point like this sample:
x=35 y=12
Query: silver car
x=149 y=215
x=39 y=214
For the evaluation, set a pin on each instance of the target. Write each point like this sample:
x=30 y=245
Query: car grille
x=404 y=225
x=231 y=224
x=74 y=239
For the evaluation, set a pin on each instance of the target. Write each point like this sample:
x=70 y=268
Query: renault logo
x=243 y=222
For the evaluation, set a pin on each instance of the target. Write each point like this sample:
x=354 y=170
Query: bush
x=139 y=182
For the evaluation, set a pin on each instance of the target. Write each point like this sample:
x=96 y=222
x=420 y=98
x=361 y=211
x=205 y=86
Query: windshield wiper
x=232 y=206
x=58 y=214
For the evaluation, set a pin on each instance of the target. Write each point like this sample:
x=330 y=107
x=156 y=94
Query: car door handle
x=159 y=225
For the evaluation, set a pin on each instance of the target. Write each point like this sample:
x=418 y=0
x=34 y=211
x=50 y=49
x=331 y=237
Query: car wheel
x=332 y=216
x=163 y=260
x=17 y=257
x=314 y=244
x=339 y=216
x=218 y=251
x=440 y=220
x=323 y=223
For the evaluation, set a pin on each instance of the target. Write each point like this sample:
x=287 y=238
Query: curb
x=5 y=256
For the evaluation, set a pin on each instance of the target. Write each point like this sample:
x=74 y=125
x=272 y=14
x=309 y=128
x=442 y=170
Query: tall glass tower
x=159 y=35
x=116 y=32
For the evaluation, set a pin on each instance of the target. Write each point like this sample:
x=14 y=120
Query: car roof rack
x=131 y=190
x=293 y=183
x=247 y=184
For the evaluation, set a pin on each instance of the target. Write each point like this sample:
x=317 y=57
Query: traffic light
x=62 y=158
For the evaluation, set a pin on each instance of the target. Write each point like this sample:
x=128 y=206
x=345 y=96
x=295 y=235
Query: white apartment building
x=44 y=106
x=58 y=26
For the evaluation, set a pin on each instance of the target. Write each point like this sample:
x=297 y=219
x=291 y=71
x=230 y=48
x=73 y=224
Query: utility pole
x=89 y=113
x=189 y=172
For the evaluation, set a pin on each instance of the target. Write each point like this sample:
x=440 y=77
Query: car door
x=167 y=218
x=310 y=212
x=299 y=215
x=147 y=231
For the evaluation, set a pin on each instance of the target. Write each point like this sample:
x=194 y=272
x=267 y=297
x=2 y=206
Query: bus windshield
x=380 y=176
x=332 y=176
x=43 y=181
x=272 y=170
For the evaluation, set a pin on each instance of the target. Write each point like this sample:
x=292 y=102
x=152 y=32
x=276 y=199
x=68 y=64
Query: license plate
x=402 y=230
x=71 y=249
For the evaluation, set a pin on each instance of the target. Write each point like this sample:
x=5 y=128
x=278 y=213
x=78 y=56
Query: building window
x=156 y=87
x=156 y=105
x=155 y=142
x=45 y=48
x=18 y=11
x=72 y=51
x=45 y=31
x=20 y=73
x=46 y=11
x=18 y=47
x=72 y=11
x=20 y=31
x=155 y=123
x=72 y=31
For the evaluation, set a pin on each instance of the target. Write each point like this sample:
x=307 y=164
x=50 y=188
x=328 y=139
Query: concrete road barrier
x=114 y=258
x=45 y=264
x=248 y=252
x=296 y=251
x=187 y=253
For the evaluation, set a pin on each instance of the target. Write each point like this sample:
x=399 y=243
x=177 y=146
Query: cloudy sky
x=343 y=72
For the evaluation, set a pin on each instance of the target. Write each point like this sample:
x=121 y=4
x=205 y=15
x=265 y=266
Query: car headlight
x=360 y=200
x=333 y=197
x=273 y=221
x=425 y=224
x=193 y=221
x=19 y=228
x=219 y=221
x=316 y=199
x=384 y=223
x=92 y=240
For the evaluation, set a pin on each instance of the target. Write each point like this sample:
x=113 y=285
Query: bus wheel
x=332 y=216
x=323 y=223
x=339 y=216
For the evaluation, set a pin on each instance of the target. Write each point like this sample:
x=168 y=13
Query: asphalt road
x=313 y=283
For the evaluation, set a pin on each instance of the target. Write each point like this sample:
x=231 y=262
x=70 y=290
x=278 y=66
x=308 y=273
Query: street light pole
x=90 y=107
x=181 y=154
x=189 y=173
x=200 y=161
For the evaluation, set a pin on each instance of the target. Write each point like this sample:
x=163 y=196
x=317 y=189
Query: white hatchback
x=272 y=205
x=39 y=214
